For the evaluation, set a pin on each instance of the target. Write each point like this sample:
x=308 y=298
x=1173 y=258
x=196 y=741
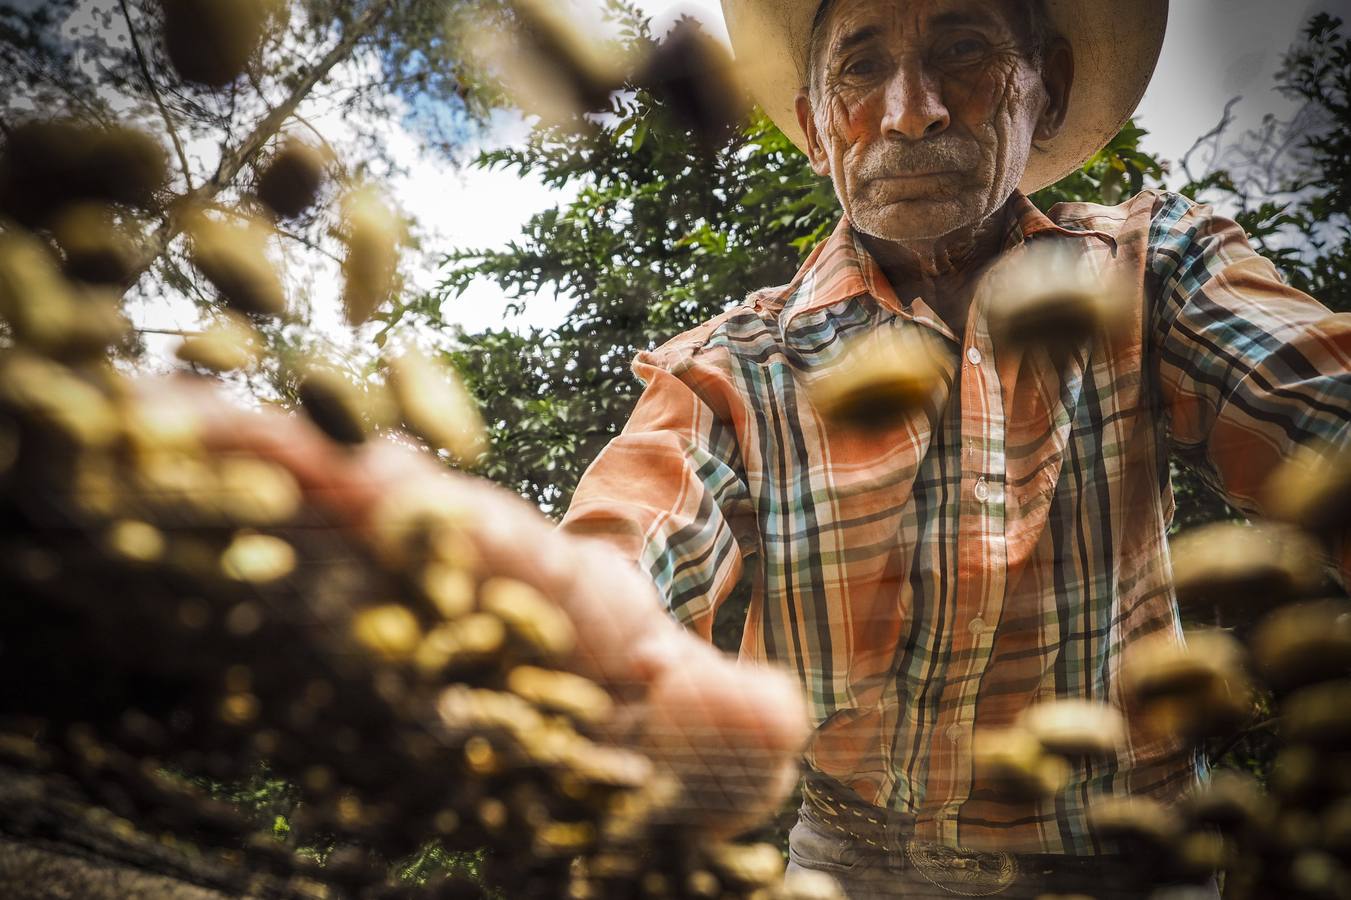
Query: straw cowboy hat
x=1115 y=44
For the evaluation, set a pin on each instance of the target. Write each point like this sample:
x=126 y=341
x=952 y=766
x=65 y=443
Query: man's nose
x=914 y=102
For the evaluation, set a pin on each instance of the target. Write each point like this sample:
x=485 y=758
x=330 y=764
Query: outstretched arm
x=1249 y=368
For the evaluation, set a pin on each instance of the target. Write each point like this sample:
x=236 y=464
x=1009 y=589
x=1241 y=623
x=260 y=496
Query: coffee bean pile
x=174 y=616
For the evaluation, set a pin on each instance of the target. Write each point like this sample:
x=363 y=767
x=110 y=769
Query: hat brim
x=1116 y=46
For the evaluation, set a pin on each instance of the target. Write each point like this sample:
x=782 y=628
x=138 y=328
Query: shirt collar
x=841 y=268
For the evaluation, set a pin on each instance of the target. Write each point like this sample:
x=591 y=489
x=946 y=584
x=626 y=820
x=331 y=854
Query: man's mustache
x=942 y=154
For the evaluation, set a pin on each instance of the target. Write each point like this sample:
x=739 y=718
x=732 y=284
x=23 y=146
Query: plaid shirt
x=1000 y=549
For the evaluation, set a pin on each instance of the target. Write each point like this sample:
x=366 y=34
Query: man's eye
x=967 y=48
x=861 y=67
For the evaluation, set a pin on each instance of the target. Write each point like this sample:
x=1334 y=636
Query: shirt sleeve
x=670 y=493
x=1249 y=368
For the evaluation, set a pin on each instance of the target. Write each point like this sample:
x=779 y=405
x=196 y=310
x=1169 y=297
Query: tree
x=330 y=72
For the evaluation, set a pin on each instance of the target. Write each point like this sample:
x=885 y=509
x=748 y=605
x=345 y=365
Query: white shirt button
x=977 y=625
x=974 y=355
x=955 y=733
x=981 y=490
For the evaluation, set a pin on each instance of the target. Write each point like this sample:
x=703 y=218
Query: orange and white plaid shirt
x=998 y=550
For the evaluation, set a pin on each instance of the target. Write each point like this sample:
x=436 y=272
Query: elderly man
x=1005 y=546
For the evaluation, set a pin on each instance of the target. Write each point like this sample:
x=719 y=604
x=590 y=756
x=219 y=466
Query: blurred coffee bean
x=390 y=631
x=233 y=257
x=96 y=247
x=692 y=77
x=878 y=382
x=1240 y=566
x=1303 y=644
x=552 y=67
x=748 y=865
x=371 y=231
x=48 y=165
x=1139 y=823
x=35 y=301
x=257 y=559
x=210 y=42
x=1051 y=297
x=1312 y=489
x=1231 y=801
x=539 y=625
x=135 y=542
x=1014 y=764
x=1076 y=727
x=231 y=343
x=1195 y=690
x=55 y=400
x=436 y=407
x=574 y=696
x=290 y=183
x=1319 y=715
x=449 y=589
x=335 y=404
x=461 y=646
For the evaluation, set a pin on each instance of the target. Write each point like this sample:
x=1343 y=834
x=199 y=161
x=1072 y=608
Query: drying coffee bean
x=554 y=69
x=1243 y=566
x=48 y=165
x=1319 y=715
x=211 y=41
x=335 y=404
x=1140 y=823
x=1051 y=297
x=1312 y=489
x=542 y=629
x=135 y=542
x=461 y=646
x=878 y=382
x=421 y=524
x=450 y=590
x=95 y=246
x=574 y=696
x=229 y=344
x=1076 y=727
x=233 y=257
x=1231 y=801
x=436 y=407
x=371 y=232
x=692 y=76
x=1013 y=763
x=35 y=301
x=1303 y=644
x=390 y=631
x=257 y=559
x=290 y=183
x=56 y=401
x=748 y=865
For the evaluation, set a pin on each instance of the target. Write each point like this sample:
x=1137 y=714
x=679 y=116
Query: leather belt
x=964 y=872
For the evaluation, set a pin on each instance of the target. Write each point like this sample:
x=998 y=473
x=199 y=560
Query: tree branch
x=232 y=161
x=154 y=93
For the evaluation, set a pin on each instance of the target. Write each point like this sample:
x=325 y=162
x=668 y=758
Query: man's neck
x=942 y=271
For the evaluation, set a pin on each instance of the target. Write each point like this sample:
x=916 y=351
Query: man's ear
x=816 y=153
x=1057 y=74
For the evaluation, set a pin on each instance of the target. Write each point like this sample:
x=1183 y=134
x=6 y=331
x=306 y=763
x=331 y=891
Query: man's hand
x=730 y=732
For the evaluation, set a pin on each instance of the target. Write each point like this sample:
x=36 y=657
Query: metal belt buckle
x=968 y=873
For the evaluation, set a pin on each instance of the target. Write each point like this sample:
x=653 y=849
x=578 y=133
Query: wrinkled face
x=926 y=110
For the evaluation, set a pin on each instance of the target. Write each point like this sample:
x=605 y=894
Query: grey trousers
x=867 y=874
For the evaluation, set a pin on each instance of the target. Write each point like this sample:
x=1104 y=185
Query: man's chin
x=912 y=219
